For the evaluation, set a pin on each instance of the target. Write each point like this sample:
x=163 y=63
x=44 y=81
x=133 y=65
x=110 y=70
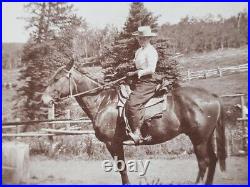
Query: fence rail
x=218 y=72
x=38 y=122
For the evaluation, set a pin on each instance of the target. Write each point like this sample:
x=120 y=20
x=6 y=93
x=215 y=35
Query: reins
x=88 y=91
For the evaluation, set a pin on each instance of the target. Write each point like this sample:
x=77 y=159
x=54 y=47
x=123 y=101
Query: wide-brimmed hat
x=144 y=31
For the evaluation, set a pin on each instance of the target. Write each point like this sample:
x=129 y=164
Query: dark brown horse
x=192 y=111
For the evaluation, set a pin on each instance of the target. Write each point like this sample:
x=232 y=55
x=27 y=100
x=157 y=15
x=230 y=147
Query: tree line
x=210 y=33
x=189 y=35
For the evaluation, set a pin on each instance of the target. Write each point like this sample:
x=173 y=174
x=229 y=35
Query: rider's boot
x=136 y=136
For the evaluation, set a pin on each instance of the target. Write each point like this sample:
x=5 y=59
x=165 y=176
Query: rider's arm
x=151 y=61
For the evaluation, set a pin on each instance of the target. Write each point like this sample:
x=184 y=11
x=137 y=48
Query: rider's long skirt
x=143 y=90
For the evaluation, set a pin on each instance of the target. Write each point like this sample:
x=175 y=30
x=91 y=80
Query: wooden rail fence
x=218 y=72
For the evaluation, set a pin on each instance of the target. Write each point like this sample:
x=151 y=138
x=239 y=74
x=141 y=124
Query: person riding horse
x=192 y=111
x=144 y=85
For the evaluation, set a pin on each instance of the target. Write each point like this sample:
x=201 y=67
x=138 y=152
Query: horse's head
x=59 y=85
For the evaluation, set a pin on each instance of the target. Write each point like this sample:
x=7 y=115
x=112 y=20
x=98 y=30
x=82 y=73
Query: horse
x=192 y=111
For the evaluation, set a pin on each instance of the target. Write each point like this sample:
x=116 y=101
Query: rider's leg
x=135 y=110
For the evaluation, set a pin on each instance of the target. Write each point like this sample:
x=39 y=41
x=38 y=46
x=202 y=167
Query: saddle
x=153 y=109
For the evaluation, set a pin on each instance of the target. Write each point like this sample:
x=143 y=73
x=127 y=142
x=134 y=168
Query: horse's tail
x=221 y=140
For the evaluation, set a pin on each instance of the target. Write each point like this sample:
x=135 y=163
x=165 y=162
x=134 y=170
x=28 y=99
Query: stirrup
x=137 y=140
x=140 y=140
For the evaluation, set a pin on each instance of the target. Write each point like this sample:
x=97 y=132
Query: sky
x=99 y=14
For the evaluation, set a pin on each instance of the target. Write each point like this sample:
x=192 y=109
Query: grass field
x=213 y=59
x=231 y=84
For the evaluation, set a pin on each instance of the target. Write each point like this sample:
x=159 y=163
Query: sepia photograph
x=143 y=93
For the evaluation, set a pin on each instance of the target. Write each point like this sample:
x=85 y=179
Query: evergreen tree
x=139 y=16
x=117 y=57
x=49 y=47
x=48 y=19
x=208 y=33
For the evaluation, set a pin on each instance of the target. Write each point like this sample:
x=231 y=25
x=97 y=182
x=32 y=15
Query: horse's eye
x=56 y=78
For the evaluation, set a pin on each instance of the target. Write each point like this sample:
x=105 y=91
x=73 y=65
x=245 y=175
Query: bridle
x=72 y=81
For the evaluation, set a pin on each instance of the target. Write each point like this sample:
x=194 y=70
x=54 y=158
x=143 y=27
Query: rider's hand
x=133 y=73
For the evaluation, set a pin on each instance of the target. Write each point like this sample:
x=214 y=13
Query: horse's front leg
x=116 y=149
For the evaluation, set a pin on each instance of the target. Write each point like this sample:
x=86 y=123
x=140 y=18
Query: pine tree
x=139 y=16
x=48 y=19
x=117 y=57
x=49 y=47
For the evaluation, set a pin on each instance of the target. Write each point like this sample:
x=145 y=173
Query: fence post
x=243 y=123
x=229 y=142
x=205 y=74
x=219 y=71
x=18 y=129
x=243 y=115
x=51 y=115
x=68 y=117
x=15 y=163
x=189 y=75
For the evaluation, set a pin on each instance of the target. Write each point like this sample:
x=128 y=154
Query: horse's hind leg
x=203 y=160
x=212 y=161
x=116 y=149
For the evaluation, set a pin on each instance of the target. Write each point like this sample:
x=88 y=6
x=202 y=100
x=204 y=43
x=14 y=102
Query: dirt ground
x=176 y=171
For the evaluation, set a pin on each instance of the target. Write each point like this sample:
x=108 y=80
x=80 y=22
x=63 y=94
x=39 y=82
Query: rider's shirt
x=145 y=60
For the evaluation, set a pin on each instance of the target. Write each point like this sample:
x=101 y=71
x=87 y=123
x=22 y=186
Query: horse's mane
x=83 y=71
x=109 y=93
x=109 y=96
x=56 y=73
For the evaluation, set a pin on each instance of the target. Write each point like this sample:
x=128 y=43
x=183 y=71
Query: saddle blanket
x=154 y=107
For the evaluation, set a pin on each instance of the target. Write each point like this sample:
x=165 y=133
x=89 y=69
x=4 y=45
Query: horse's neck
x=89 y=103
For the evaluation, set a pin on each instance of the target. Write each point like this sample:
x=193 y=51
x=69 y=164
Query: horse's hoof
x=200 y=183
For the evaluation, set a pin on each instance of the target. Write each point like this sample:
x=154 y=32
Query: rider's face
x=142 y=40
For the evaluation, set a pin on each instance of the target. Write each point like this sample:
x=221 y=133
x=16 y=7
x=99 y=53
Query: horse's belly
x=162 y=129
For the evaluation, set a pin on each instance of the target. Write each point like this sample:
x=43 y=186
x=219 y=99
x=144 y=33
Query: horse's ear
x=70 y=64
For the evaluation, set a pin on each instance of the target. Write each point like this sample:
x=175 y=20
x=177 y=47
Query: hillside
x=8 y=76
x=230 y=84
x=213 y=59
x=11 y=55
